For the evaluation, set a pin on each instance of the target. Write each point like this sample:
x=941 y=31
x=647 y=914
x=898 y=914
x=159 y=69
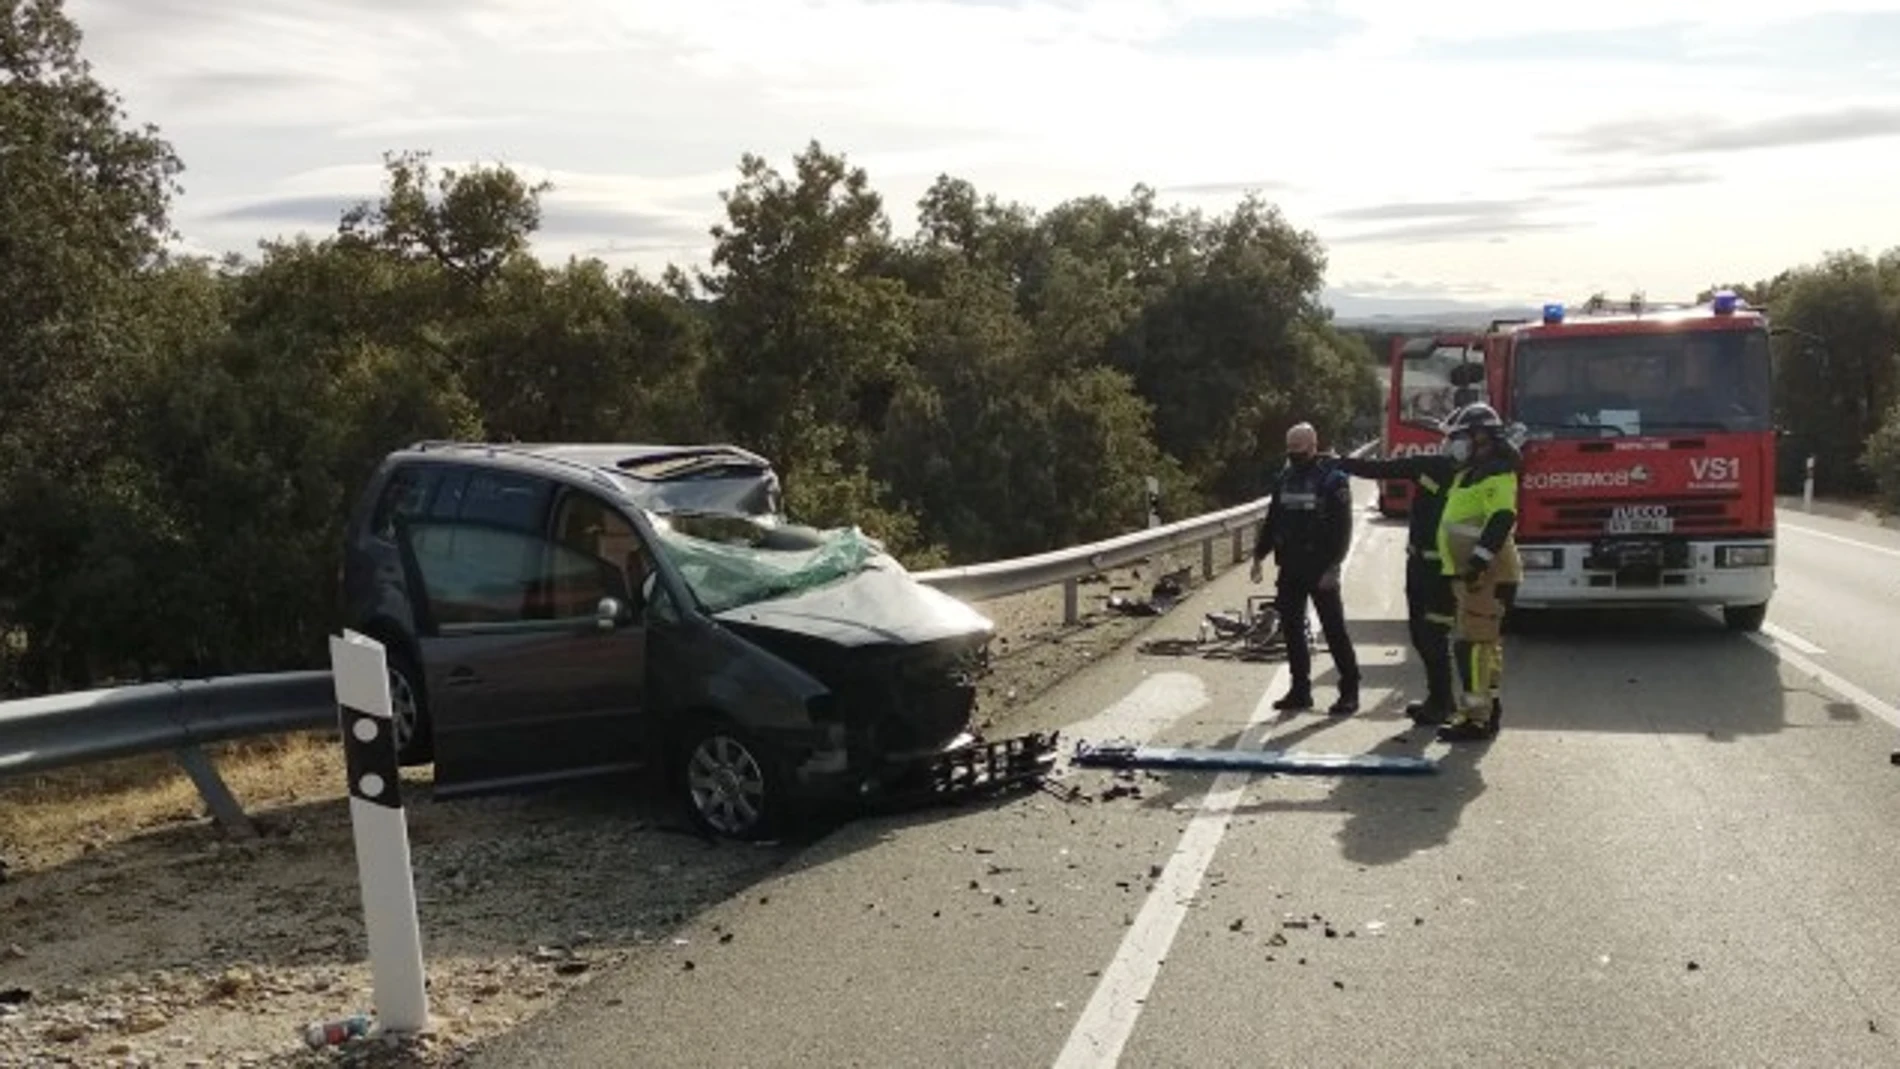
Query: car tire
x=732 y=785
x=409 y=708
x=1744 y=617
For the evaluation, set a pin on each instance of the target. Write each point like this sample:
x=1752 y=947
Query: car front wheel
x=408 y=711
x=733 y=786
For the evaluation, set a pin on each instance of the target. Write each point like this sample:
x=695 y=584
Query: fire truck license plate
x=1641 y=519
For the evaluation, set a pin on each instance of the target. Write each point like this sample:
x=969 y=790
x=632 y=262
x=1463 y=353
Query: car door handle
x=463 y=676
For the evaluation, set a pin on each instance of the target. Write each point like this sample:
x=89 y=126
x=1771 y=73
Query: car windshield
x=730 y=561
x=1630 y=384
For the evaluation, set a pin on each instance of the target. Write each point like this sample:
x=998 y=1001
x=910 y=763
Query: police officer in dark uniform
x=1429 y=602
x=1308 y=527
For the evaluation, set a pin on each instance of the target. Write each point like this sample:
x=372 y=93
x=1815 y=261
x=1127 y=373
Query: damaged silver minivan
x=554 y=612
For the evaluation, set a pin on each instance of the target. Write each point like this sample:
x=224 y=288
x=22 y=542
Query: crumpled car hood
x=877 y=606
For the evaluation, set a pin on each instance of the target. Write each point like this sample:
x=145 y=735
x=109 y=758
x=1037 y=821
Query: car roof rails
x=593 y=472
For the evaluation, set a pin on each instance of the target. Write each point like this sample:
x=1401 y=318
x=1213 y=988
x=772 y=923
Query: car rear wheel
x=733 y=786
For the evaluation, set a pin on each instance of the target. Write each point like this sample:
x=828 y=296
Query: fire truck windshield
x=1629 y=384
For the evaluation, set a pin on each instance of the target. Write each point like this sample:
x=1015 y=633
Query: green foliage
x=1837 y=372
x=1882 y=459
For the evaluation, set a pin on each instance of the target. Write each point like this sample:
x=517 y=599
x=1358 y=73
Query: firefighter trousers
x=1478 y=644
x=1431 y=609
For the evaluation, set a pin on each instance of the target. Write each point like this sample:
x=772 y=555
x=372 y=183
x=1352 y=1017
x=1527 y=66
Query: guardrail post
x=360 y=668
x=1240 y=552
x=1207 y=558
x=1807 y=488
x=218 y=798
x=1071 y=611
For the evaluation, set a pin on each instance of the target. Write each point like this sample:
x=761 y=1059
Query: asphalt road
x=1679 y=852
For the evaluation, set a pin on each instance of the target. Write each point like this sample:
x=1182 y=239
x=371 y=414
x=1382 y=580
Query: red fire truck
x=1649 y=455
x=1420 y=394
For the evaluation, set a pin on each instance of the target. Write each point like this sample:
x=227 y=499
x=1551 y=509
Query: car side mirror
x=610 y=613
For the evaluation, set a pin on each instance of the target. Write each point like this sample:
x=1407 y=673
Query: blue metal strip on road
x=1124 y=755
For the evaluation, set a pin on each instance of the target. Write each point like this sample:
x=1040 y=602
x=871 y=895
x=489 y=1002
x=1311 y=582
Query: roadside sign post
x=359 y=665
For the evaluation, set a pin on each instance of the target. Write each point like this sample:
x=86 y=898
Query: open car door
x=533 y=654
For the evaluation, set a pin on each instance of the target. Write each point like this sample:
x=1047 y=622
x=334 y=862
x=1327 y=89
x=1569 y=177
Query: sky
x=1461 y=150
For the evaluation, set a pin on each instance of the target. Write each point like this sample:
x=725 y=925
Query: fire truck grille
x=1687 y=515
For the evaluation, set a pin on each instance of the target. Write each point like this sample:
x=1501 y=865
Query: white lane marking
x=1789 y=638
x=1828 y=679
x=1108 y=1020
x=1158 y=701
x=1868 y=546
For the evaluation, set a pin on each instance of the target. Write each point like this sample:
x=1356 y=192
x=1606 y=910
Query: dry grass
x=48 y=818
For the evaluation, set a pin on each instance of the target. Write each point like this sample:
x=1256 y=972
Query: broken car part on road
x=1124 y=754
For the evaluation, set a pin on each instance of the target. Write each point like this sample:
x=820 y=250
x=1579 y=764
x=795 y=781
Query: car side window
x=591 y=527
x=404 y=497
x=485 y=574
x=506 y=500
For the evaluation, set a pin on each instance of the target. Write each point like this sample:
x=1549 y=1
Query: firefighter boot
x=1479 y=708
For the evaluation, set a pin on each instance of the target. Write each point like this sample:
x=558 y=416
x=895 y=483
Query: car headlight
x=1542 y=560
x=1744 y=556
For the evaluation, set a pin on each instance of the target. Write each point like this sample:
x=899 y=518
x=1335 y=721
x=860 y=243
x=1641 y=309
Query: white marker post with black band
x=360 y=668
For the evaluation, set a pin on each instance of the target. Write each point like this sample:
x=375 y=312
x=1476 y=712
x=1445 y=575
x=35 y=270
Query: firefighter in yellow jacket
x=1476 y=548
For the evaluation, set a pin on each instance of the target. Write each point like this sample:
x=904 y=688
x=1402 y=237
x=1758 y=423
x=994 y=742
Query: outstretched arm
x=1389 y=468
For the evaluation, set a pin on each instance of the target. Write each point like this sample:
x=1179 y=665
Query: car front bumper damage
x=968 y=767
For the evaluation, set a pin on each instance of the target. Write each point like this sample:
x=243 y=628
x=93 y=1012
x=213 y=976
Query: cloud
x=1702 y=133
x=300 y=212
x=1447 y=220
x=641 y=108
x=1450 y=209
x=620 y=226
x=1647 y=178
x=1450 y=230
x=1264 y=185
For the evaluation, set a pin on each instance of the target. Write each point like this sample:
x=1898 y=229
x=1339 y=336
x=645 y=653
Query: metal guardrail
x=995 y=579
x=58 y=731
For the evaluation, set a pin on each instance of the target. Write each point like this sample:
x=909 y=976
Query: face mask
x=1458 y=449
x=1300 y=460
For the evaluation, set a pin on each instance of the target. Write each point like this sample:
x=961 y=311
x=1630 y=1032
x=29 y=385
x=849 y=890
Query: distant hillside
x=1416 y=313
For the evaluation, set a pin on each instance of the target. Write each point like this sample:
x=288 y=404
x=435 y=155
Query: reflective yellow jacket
x=1479 y=521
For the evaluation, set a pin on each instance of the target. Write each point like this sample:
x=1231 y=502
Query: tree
x=1836 y=370
x=807 y=338
x=86 y=205
x=477 y=223
x=1882 y=459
